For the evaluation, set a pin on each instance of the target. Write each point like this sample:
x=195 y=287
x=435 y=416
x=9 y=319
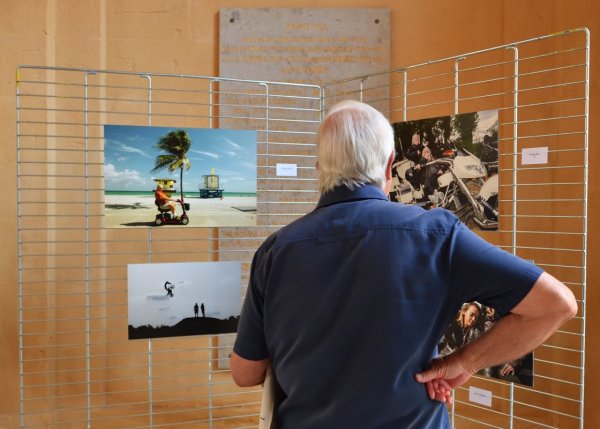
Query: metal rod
x=362 y=86
x=404 y=94
x=20 y=253
x=267 y=153
x=188 y=76
x=149 y=78
x=150 y=344
x=515 y=197
x=583 y=310
x=211 y=103
x=468 y=54
x=87 y=257
x=456 y=83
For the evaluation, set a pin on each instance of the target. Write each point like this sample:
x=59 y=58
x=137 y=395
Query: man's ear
x=388 y=168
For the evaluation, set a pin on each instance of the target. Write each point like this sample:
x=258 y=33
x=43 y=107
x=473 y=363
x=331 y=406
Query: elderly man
x=349 y=302
x=163 y=201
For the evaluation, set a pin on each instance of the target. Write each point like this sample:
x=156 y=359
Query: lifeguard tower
x=211 y=186
x=168 y=185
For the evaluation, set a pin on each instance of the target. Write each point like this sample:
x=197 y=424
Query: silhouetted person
x=202 y=309
x=196 y=310
x=169 y=289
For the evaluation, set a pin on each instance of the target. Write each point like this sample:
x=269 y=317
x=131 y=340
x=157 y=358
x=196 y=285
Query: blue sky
x=130 y=151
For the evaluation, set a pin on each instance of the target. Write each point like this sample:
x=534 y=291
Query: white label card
x=287 y=170
x=534 y=155
x=480 y=396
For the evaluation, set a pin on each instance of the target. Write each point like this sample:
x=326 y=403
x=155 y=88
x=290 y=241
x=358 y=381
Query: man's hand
x=544 y=309
x=439 y=390
x=443 y=375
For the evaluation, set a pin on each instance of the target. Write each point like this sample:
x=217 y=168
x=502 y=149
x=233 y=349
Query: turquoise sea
x=186 y=194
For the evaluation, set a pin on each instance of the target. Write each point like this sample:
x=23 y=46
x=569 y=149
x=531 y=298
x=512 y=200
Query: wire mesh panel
x=540 y=89
x=78 y=368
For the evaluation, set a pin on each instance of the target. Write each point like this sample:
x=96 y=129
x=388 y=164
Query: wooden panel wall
x=182 y=37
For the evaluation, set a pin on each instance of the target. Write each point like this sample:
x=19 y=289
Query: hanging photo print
x=191 y=298
x=472 y=320
x=158 y=176
x=449 y=162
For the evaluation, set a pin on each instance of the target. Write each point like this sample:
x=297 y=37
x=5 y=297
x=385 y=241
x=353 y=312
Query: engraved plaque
x=294 y=46
x=303 y=45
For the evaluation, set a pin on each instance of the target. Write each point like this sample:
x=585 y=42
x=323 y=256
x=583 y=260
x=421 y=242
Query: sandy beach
x=122 y=211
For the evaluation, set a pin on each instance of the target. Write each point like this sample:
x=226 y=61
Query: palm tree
x=176 y=145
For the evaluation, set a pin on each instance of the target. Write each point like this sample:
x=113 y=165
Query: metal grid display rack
x=77 y=367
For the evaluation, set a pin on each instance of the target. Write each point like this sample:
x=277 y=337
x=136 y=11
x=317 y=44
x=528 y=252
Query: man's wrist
x=467 y=359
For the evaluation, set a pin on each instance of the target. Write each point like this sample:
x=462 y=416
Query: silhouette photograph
x=178 y=299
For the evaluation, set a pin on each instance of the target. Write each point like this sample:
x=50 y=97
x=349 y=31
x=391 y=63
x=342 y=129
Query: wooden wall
x=182 y=37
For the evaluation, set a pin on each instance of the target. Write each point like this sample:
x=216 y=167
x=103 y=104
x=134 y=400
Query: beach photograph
x=173 y=177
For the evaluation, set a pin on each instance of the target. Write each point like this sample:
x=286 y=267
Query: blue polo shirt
x=351 y=300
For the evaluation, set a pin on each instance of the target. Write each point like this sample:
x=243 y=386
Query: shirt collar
x=341 y=194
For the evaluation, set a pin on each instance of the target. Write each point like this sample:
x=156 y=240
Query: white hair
x=354 y=144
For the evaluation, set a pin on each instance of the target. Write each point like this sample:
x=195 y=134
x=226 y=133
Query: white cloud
x=209 y=154
x=131 y=149
x=119 y=147
x=124 y=179
x=158 y=297
x=232 y=143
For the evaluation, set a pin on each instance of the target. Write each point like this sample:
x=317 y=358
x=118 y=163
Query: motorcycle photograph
x=457 y=181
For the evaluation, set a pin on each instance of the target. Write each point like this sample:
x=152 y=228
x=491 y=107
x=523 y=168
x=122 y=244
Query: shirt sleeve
x=485 y=273
x=250 y=342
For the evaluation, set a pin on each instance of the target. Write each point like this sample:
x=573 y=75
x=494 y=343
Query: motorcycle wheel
x=158 y=221
x=185 y=221
x=464 y=214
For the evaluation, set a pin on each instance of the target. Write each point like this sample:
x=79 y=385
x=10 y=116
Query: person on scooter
x=163 y=201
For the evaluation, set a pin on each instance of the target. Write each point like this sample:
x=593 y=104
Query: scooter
x=165 y=217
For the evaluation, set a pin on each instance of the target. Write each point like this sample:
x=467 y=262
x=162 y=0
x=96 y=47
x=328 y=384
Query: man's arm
x=246 y=372
x=547 y=306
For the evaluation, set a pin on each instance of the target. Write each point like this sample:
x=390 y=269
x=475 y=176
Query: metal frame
x=61 y=111
x=79 y=103
x=566 y=57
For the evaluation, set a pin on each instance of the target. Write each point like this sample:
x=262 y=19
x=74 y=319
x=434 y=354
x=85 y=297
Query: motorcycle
x=463 y=187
